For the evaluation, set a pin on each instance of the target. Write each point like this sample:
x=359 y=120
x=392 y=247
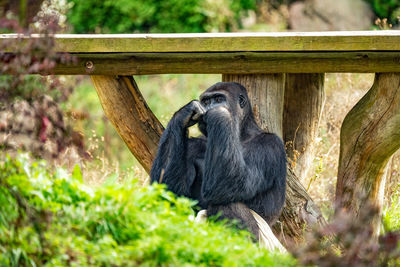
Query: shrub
x=30 y=55
x=349 y=241
x=169 y=16
x=30 y=116
x=389 y=9
x=49 y=218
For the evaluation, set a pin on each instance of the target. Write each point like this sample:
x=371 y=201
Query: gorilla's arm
x=171 y=164
x=232 y=173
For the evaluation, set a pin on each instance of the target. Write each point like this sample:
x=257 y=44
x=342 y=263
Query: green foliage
x=389 y=9
x=32 y=55
x=48 y=218
x=169 y=16
x=391 y=215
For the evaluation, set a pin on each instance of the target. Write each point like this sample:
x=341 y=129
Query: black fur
x=234 y=162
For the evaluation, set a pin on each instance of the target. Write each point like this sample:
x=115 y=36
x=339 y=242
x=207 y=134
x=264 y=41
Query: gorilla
x=235 y=167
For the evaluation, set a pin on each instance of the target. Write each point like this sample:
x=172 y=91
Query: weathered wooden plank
x=218 y=42
x=238 y=63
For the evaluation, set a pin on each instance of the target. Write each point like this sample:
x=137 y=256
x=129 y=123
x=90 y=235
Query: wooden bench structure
x=284 y=74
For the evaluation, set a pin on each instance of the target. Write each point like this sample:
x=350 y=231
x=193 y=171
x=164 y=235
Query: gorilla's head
x=230 y=95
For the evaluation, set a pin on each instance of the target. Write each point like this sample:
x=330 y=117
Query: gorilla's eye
x=242 y=101
x=206 y=101
x=219 y=99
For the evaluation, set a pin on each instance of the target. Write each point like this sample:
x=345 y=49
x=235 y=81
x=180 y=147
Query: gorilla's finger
x=198 y=110
x=198 y=107
x=203 y=109
x=197 y=116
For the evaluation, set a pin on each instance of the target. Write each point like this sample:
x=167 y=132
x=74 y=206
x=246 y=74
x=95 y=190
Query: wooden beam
x=237 y=53
x=127 y=110
x=225 y=63
x=226 y=42
x=368 y=138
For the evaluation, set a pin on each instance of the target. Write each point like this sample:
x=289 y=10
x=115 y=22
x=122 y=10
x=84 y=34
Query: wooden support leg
x=127 y=110
x=266 y=91
x=304 y=99
x=370 y=134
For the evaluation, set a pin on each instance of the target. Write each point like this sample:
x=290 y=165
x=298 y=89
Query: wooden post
x=266 y=91
x=304 y=99
x=127 y=110
x=369 y=136
x=266 y=95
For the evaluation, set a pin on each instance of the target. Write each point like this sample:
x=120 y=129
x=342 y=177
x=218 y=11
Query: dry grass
x=102 y=169
x=342 y=92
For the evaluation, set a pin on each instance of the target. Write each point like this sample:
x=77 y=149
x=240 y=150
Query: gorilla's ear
x=242 y=101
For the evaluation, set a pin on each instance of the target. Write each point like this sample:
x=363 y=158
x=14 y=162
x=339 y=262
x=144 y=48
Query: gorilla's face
x=214 y=99
x=231 y=96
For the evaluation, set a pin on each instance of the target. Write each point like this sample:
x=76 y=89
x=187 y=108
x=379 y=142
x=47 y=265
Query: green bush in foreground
x=48 y=218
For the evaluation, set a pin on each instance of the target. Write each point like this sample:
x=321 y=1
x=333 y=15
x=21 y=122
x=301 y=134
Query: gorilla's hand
x=192 y=113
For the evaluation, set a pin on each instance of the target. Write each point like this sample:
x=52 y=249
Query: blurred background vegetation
x=80 y=133
x=170 y=16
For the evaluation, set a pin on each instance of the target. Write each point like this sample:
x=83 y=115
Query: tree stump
x=369 y=136
x=304 y=100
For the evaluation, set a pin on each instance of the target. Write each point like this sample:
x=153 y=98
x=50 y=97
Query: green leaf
x=77 y=174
